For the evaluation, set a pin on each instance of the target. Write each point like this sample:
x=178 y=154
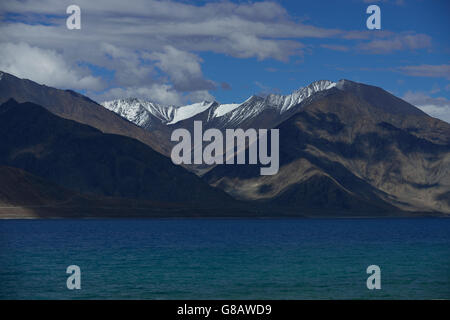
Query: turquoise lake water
x=225 y=258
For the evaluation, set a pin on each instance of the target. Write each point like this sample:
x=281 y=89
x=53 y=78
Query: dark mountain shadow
x=85 y=160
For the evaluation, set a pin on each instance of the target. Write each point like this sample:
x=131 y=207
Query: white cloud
x=149 y=44
x=199 y=96
x=183 y=69
x=127 y=64
x=160 y=93
x=44 y=66
x=258 y=29
x=335 y=47
x=396 y=43
x=154 y=47
x=426 y=70
x=396 y=2
x=435 y=107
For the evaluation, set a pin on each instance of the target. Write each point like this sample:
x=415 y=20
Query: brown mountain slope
x=375 y=148
x=74 y=106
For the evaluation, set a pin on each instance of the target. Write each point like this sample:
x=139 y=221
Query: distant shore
x=48 y=212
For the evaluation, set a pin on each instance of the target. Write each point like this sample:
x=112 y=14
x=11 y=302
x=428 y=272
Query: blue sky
x=320 y=63
x=181 y=52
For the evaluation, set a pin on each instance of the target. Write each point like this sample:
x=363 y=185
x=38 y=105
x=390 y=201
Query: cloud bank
x=435 y=107
x=153 y=48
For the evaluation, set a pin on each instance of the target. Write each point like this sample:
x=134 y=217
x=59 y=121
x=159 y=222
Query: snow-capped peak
x=140 y=111
x=143 y=113
x=189 y=111
x=321 y=85
x=225 y=108
x=1 y=75
x=286 y=102
x=341 y=84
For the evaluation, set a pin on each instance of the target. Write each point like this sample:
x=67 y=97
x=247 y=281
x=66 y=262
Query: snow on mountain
x=143 y=113
x=140 y=112
x=225 y=108
x=284 y=103
x=186 y=112
x=255 y=105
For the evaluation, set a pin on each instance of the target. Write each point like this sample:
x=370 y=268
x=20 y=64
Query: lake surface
x=225 y=258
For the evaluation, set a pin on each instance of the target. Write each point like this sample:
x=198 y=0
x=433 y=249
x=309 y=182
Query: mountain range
x=151 y=115
x=346 y=149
